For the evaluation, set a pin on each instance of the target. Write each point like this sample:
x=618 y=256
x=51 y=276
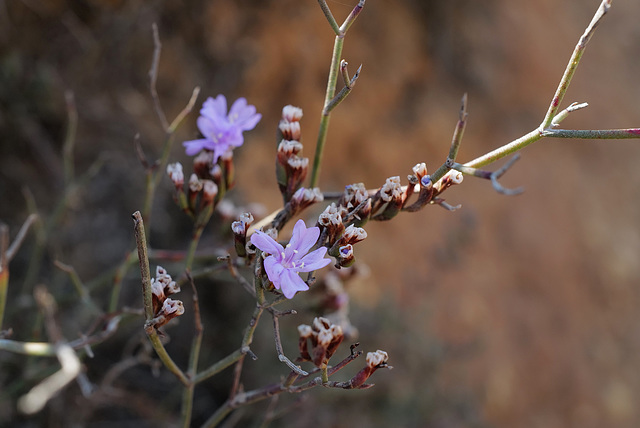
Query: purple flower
x=283 y=264
x=222 y=132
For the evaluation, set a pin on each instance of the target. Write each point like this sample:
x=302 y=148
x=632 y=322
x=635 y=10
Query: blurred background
x=512 y=311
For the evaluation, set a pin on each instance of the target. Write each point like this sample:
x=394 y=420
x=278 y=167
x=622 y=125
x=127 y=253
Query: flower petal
x=194 y=147
x=302 y=238
x=215 y=107
x=207 y=127
x=274 y=271
x=267 y=244
x=291 y=283
x=314 y=260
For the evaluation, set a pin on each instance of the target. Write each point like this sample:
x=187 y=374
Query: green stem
x=219 y=366
x=573 y=65
x=141 y=243
x=324 y=119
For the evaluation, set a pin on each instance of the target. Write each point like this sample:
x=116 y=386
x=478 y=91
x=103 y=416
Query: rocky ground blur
x=513 y=311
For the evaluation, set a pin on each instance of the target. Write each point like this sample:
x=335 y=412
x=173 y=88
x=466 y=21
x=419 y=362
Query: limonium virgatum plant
x=279 y=267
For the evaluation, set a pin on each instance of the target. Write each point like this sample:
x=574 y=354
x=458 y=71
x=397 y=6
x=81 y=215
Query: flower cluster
x=164 y=308
x=222 y=132
x=324 y=338
x=284 y=263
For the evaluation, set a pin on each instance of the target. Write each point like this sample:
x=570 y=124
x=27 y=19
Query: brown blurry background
x=513 y=311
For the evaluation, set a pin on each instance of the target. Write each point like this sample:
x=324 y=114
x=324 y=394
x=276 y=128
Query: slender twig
x=219 y=366
x=185 y=111
x=19 y=239
x=141 y=243
x=153 y=77
x=236 y=275
x=70 y=138
x=276 y=332
x=38 y=396
x=591 y=134
x=78 y=285
x=455 y=142
x=187 y=395
x=492 y=175
x=573 y=64
x=552 y=117
x=344 y=92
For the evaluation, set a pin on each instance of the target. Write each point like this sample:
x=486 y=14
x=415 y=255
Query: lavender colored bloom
x=222 y=132
x=283 y=264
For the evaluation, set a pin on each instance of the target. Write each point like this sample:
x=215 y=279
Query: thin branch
x=185 y=111
x=276 y=332
x=593 y=134
x=22 y=233
x=187 y=396
x=141 y=243
x=38 y=396
x=573 y=64
x=70 y=138
x=153 y=77
x=455 y=142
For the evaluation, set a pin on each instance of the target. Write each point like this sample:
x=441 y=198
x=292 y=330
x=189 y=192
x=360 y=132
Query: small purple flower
x=283 y=264
x=222 y=132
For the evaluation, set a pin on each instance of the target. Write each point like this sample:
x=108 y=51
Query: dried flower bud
x=216 y=174
x=202 y=164
x=321 y=323
x=388 y=200
x=420 y=170
x=325 y=339
x=209 y=192
x=375 y=360
x=353 y=235
x=305 y=331
x=228 y=169
x=172 y=308
x=391 y=190
x=345 y=256
x=291 y=169
x=286 y=149
x=303 y=198
x=331 y=221
x=449 y=179
x=354 y=195
x=195 y=184
x=157 y=295
x=290 y=130
x=291 y=113
x=174 y=170
x=240 y=229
